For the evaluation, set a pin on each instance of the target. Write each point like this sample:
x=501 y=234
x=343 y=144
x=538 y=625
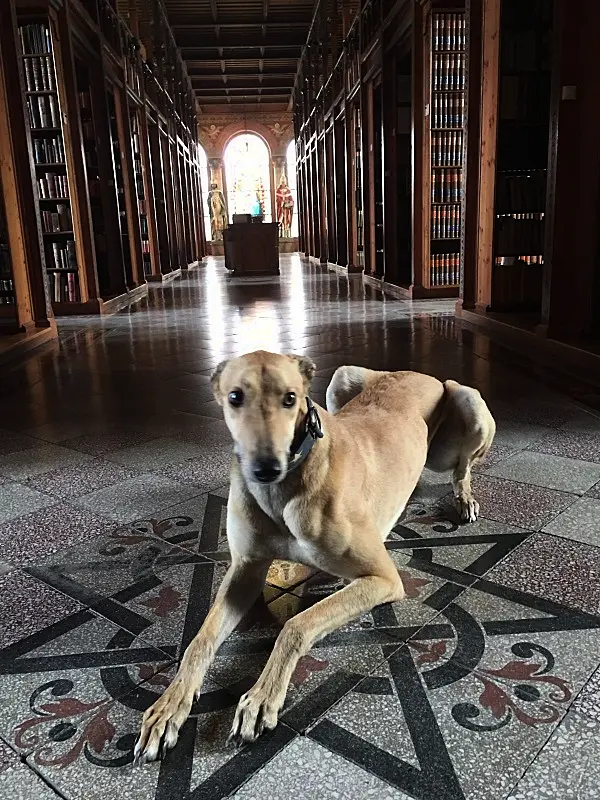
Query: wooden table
x=252 y=248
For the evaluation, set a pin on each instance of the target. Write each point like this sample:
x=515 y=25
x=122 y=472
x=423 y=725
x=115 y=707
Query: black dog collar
x=305 y=437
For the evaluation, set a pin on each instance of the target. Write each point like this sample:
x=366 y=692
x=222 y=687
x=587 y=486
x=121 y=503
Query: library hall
x=299 y=400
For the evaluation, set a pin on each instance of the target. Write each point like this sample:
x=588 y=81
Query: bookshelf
x=446 y=140
x=522 y=155
x=140 y=192
x=117 y=163
x=7 y=286
x=52 y=180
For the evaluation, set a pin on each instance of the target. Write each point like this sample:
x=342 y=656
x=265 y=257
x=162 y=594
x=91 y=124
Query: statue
x=285 y=207
x=218 y=212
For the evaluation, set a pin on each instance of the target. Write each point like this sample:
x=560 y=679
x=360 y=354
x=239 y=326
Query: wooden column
x=33 y=308
x=133 y=217
x=483 y=45
x=351 y=183
x=421 y=146
x=156 y=274
x=574 y=174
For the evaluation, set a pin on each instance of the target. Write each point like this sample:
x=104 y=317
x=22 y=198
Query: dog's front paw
x=255 y=713
x=468 y=508
x=162 y=721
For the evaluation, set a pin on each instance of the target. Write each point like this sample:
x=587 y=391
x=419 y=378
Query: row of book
x=446 y=185
x=63 y=287
x=520 y=191
x=49 y=151
x=7 y=288
x=35 y=39
x=61 y=256
x=449 y=32
x=7 y=292
x=51 y=186
x=520 y=233
x=446 y=148
x=448 y=72
x=39 y=74
x=445 y=222
x=448 y=110
x=504 y=261
x=444 y=269
x=57 y=221
x=44 y=111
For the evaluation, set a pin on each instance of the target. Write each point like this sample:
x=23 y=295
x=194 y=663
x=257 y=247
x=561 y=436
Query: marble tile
x=431 y=735
x=307 y=771
x=569 y=765
x=579 y=445
x=588 y=700
x=32 y=536
x=135 y=498
x=110 y=438
x=155 y=454
x=549 y=471
x=11 y=442
x=56 y=678
x=554 y=568
x=200 y=766
x=17 y=500
x=581 y=522
x=37 y=460
x=18 y=781
x=521 y=504
x=27 y=605
x=72 y=482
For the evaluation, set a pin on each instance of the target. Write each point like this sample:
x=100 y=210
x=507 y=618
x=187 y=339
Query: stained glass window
x=247 y=175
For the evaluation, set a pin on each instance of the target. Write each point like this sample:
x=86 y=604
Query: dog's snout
x=267 y=469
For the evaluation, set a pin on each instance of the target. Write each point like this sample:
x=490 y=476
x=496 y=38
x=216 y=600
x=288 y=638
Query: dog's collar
x=309 y=431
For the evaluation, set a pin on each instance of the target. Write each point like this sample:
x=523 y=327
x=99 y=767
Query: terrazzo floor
x=484 y=683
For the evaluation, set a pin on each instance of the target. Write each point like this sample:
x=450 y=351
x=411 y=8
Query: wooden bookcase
x=7 y=285
x=445 y=146
x=52 y=174
x=140 y=189
x=524 y=86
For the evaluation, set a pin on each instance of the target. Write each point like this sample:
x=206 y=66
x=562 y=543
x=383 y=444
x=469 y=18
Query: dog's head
x=263 y=396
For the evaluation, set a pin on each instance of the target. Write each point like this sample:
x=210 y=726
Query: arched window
x=291 y=175
x=204 y=184
x=248 y=176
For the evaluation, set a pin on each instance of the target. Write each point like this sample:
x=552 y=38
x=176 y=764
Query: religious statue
x=218 y=212
x=285 y=207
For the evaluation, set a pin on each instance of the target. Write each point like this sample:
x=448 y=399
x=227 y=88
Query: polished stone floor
x=483 y=683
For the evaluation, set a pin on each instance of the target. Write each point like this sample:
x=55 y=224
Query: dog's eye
x=289 y=400
x=236 y=398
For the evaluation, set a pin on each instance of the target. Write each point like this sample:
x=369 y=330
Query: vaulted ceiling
x=241 y=53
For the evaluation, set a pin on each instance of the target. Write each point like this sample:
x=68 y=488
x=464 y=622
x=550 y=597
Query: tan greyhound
x=323 y=489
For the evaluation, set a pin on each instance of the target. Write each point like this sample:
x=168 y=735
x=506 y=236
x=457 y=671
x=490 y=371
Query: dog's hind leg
x=464 y=437
x=345 y=385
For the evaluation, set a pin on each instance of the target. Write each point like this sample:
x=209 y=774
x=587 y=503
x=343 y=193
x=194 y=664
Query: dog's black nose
x=267 y=470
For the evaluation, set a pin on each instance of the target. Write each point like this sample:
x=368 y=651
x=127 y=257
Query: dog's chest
x=291 y=544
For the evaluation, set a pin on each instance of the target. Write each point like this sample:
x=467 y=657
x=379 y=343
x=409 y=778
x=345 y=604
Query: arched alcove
x=248 y=176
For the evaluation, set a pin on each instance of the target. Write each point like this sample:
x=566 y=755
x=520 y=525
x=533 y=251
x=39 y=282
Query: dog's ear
x=307 y=368
x=216 y=380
